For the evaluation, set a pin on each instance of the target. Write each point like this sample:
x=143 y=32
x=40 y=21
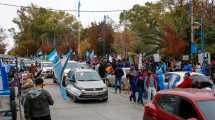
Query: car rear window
x=208 y=108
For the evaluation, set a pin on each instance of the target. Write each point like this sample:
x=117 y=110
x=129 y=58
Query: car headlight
x=83 y=90
x=79 y=88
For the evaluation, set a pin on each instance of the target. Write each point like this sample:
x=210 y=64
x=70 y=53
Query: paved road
x=118 y=107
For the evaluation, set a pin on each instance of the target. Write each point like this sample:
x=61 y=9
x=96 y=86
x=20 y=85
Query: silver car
x=86 y=84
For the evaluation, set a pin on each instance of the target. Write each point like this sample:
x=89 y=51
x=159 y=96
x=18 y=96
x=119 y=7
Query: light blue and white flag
x=64 y=62
x=4 y=85
x=59 y=66
x=92 y=54
x=110 y=58
x=53 y=56
x=87 y=54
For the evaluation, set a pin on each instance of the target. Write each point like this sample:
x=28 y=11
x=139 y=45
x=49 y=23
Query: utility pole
x=104 y=35
x=192 y=28
x=79 y=37
x=79 y=30
x=202 y=36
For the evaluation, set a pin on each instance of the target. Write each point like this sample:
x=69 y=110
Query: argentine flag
x=53 y=56
x=59 y=66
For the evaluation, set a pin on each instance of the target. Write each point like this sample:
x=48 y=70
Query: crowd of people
x=146 y=80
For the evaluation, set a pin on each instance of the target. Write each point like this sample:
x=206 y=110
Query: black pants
x=42 y=118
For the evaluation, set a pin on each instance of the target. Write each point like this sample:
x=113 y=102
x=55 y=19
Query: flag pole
x=79 y=35
x=192 y=29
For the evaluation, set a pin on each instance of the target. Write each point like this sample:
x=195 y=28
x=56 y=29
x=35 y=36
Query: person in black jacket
x=102 y=68
x=118 y=78
x=141 y=86
x=36 y=106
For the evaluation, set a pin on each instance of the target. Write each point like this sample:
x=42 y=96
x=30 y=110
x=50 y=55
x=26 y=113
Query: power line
x=72 y=10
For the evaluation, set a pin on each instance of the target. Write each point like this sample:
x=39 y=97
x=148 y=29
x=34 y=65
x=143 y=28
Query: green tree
x=39 y=26
x=145 y=21
x=151 y=21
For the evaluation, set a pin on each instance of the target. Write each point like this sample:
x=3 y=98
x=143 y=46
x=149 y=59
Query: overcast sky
x=8 y=13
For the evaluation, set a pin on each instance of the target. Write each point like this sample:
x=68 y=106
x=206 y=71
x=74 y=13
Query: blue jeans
x=118 y=83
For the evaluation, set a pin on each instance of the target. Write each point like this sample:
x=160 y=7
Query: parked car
x=86 y=84
x=47 y=69
x=111 y=78
x=181 y=104
x=173 y=79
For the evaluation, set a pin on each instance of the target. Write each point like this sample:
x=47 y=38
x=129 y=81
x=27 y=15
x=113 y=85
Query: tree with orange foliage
x=174 y=45
x=100 y=37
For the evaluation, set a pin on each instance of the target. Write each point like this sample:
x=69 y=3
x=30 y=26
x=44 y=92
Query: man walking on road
x=36 y=106
x=118 y=78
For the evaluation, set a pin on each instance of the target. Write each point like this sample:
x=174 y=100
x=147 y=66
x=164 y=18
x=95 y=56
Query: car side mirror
x=192 y=119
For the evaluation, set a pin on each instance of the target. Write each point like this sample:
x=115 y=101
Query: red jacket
x=187 y=83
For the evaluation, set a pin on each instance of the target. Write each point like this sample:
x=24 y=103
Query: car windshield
x=87 y=76
x=83 y=66
x=207 y=108
x=47 y=65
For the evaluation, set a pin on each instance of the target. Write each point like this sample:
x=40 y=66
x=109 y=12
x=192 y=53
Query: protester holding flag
x=59 y=66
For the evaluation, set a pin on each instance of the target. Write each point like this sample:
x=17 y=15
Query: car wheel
x=74 y=99
x=54 y=80
x=13 y=110
x=67 y=93
x=105 y=100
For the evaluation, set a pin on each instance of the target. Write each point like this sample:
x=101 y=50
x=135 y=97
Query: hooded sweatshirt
x=37 y=103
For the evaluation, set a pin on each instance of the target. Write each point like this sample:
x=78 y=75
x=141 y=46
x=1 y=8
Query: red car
x=181 y=104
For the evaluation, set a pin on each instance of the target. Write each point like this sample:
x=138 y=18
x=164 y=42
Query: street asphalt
x=118 y=107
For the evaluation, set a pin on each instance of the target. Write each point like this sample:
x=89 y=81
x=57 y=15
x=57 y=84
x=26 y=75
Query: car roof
x=72 y=61
x=190 y=93
x=44 y=62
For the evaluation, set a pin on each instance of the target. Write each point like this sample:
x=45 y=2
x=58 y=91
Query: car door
x=167 y=107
